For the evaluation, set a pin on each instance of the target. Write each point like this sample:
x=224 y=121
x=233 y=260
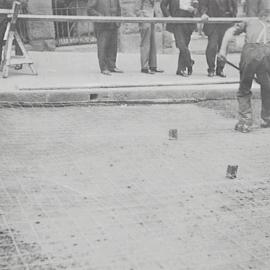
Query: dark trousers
x=214 y=43
x=182 y=35
x=107 y=48
x=255 y=60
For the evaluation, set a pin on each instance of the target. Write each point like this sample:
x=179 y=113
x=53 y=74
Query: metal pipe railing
x=104 y=19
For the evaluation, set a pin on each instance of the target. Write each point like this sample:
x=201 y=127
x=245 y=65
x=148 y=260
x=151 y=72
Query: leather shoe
x=154 y=69
x=182 y=73
x=116 y=70
x=190 y=69
x=242 y=127
x=221 y=74
x=106 y=72
x=265 y=124
x=147 y=71
x=211 y=73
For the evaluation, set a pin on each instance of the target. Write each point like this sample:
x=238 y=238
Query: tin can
x=173 y=134
x=232 y=171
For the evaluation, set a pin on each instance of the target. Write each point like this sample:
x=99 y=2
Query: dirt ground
x=105 y=188
x=229 y=108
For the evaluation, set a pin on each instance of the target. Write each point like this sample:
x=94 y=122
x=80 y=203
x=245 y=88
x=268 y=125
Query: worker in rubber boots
x=254 y=63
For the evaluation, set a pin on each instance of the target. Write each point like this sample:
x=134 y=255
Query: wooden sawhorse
x=11 y=35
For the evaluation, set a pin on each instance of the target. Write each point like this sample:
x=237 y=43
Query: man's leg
x=111 y=48
x=220 y=64
x=101 y=48
x=189 y=62
x=153 y=48
x=211 y=51
x=145 y=31
x=264 y=80
x=247 y=72
x=184 y=55
x=263 y=75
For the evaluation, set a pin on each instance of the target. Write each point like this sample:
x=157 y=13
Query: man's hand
x=190 y=9
x=204 y=17
x=222 y=57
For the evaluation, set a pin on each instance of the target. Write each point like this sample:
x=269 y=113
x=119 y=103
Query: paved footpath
x=74 y=76
x=75 y=69
x=103 y=188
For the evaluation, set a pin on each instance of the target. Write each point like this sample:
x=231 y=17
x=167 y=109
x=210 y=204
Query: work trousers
x=182 y=35
x=107 y=48
x=148 y=46
x=255 y=60
x=214 y=43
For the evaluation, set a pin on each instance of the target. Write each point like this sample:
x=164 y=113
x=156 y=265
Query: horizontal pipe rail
x=104 y=19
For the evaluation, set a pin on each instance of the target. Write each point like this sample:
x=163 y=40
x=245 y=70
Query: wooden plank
x=20 y=61
x=7 y=54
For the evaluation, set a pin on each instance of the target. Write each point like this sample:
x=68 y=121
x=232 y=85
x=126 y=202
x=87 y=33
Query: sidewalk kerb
x=113 y=86
x=143 y=95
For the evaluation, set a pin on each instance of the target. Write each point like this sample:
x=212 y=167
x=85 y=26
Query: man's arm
x=203 y=6
x=230 y=33
x=203 y=9
x=91 y=8
x=164 y=8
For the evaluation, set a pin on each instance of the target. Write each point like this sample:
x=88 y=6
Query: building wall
x=41 y=33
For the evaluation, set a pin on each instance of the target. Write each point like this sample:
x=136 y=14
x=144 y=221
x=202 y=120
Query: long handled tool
x=231 y=64
x=236 y=67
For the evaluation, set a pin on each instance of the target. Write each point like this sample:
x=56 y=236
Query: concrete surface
x=102 y=187
x=72 y=76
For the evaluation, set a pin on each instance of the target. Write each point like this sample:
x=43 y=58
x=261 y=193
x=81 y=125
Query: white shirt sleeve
x=185 y=4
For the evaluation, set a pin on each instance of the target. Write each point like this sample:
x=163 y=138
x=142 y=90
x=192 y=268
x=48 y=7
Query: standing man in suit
x=182 y=32
x=148 y=50
x=106 y=33
x=215 y=32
